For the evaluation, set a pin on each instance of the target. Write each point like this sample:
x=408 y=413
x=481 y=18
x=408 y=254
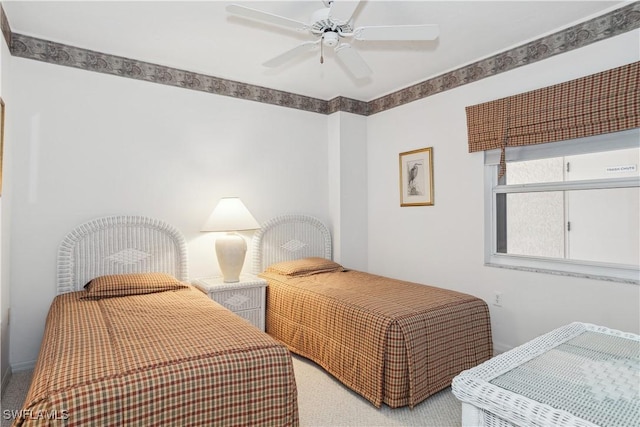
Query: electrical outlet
x=497 y=299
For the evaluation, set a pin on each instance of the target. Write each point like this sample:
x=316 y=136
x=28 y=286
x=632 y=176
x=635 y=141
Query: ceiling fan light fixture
x=330 y=39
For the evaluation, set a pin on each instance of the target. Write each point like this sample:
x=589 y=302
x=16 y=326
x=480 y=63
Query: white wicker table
x=246 y=298
x=576 y=375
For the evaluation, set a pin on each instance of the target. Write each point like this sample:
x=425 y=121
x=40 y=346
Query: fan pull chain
x=322 y=50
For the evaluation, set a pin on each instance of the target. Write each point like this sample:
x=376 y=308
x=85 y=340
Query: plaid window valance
x=600 y=103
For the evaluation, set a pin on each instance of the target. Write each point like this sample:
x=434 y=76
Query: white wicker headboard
x=289 y=237
x=118 y=245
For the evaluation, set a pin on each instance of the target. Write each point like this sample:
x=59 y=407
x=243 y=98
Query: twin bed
x=140 y=346
x=391 y=341
x=135 y=348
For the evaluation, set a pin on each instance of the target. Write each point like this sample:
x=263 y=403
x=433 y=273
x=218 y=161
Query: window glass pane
x=601 y=165
x=600 y=225
x=605 y=225
x=535 y=224
x=604 y=165
x=535 y=171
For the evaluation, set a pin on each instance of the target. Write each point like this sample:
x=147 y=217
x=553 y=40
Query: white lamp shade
x=230 y=214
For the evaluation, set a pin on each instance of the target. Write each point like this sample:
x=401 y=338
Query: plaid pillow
x=305 y=267
x=117 y=285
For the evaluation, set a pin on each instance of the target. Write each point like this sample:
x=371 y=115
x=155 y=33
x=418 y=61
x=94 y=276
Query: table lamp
x=230 y=215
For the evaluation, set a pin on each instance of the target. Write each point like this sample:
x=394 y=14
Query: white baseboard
x=23 y=366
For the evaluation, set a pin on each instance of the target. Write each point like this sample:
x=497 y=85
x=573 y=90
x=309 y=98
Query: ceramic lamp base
x=231 y=250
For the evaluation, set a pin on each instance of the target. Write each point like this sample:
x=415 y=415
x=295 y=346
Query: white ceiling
x=202 y=37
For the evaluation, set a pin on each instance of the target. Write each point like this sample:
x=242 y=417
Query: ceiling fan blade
x=352 y=60
x=397 y=32
x=267 y=17
x=341 y=11
x=290 y=54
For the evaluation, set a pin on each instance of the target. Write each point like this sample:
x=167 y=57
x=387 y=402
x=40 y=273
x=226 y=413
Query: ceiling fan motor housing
x=322 y=24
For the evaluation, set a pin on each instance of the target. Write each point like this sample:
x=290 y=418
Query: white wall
x=443 y=244
x=89 y=144
x=5 y=59
x=347 y=145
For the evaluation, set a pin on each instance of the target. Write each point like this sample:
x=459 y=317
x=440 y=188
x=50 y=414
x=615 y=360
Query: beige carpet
x=322 y=401
x=13 y=396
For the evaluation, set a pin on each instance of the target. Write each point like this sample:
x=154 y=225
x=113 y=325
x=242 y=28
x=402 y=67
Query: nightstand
x=246 y=298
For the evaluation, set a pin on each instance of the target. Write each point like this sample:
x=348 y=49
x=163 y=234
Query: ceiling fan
x=330 y=26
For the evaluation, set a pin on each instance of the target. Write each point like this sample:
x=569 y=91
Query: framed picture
x=416 y=177
x=1 y=140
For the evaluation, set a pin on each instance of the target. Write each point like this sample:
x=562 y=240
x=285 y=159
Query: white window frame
x=593 y=270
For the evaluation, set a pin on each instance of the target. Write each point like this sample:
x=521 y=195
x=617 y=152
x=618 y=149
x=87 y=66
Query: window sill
x=609 y=273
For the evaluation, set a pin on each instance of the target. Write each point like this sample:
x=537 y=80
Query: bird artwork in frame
x=416 y=177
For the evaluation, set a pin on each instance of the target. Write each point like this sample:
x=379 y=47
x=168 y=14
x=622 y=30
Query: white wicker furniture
x=289 y=237
x=118 y=245
x=246 y=298
x=577 y=375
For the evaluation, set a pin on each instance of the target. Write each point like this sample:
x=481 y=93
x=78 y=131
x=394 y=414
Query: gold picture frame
x=1 y=140
x=416 y=177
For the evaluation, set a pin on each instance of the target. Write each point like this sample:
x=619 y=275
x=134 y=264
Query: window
x=570 y=207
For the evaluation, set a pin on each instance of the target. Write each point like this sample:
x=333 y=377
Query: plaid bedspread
x=390 y=341
x=169 y=358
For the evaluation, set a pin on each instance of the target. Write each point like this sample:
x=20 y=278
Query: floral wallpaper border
x=611 y=24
